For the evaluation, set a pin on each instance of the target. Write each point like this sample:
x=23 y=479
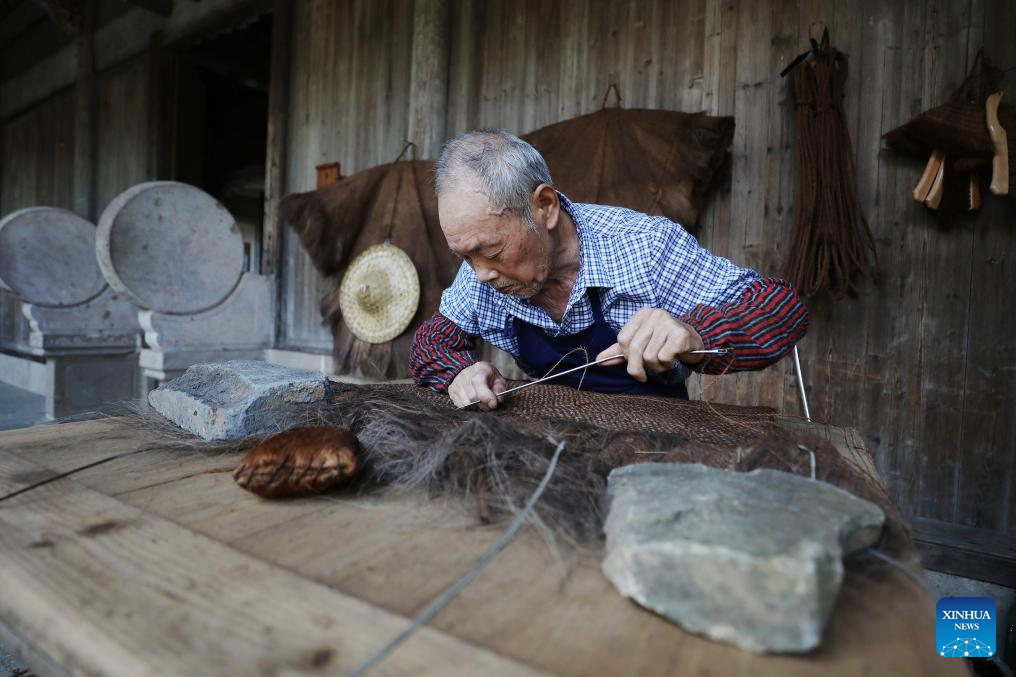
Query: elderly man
x=557 y=284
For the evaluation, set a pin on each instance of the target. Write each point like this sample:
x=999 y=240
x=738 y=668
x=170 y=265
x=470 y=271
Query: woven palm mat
x=547 y=404
x=412 y=438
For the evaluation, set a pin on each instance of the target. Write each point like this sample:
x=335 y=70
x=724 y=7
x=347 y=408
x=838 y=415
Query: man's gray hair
x=508 y=168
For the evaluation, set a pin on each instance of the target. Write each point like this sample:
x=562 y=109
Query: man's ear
x=546 y=207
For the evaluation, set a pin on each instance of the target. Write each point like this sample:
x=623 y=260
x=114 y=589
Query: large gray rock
x=752 y=559
x=227 y=400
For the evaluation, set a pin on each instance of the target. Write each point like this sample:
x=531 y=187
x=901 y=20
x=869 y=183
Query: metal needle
x=707 y=351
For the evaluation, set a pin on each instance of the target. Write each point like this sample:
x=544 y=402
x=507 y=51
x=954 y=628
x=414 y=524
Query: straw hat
x=379 y=293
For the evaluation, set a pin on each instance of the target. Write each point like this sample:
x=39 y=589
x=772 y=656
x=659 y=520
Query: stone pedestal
x=239 y=328
x=77 y=382
x=177 y=255
x=65 y=334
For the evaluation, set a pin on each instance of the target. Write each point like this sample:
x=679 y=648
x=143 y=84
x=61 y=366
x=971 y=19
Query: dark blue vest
x=539 y=352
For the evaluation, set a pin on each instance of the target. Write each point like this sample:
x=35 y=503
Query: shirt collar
x=595 y=270
x=598 y=265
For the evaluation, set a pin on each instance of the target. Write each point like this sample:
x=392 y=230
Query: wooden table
x=151 y=564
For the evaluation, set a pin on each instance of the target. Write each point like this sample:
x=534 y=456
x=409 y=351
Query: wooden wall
x=38 y=145
x=349 y=91
x=38 y=157
x=924 y=368
x=123 y=142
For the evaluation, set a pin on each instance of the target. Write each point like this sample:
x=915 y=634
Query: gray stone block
x=228 y=400
x=751 y=559
x=169 y=247
x=47 y=257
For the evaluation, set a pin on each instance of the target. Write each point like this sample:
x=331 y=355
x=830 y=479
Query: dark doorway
x=222 y=122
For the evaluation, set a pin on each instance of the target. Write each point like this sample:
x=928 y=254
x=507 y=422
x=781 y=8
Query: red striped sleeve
x=439 y=352
x=761 y=327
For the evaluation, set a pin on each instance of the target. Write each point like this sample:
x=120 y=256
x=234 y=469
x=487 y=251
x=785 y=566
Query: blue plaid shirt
x=635 y=259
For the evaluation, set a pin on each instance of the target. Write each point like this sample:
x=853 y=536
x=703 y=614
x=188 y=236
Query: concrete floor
x=18 y=409
x=8 y=665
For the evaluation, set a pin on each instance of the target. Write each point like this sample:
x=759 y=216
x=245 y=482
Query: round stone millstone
x=169 y=247
x=47 y=257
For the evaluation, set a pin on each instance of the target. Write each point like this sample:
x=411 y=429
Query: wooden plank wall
x=38 y=157
x=349 y=91
x=38 y=145
x=122 y=143
x=923 y=368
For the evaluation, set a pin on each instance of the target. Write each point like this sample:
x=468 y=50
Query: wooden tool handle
x=931 y=170
x=1000 y=162
x=938 y=185
x=974 y=202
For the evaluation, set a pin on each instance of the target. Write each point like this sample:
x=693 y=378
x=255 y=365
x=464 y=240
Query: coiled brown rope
x=832 y=250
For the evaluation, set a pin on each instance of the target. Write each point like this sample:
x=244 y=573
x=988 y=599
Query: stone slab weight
x=169 y=247
x=752 y=559
x=228 y=400
x=47 y=257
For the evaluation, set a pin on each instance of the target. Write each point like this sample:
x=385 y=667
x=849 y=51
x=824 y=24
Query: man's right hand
x=481 y=381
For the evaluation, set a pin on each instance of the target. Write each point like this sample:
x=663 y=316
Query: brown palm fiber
x=337 y=223
x=832 y=249
x=413 y=439
x=657 y=162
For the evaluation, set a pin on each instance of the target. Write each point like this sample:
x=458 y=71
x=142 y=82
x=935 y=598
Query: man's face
x=501 y=250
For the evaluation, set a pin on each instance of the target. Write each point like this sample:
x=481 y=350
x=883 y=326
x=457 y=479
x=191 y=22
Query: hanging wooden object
x=960 y=138
x=1000 y=175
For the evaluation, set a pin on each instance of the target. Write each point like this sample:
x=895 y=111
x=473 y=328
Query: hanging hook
x=405 y=147
x=817 y=47
x=617 y=96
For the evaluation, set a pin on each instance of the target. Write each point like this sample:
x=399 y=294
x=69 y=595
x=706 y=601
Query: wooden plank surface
x=106 y=588
x=158 y=561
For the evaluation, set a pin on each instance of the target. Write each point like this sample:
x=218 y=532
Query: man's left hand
x=653 y=340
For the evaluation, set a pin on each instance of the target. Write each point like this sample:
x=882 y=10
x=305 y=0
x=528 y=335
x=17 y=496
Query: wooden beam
x=161 y=7
x=85 y=102
x=68 y=15
x=161 y=82
x=124 y=37
x=428 y=93
x=983 y=554
x=278 y=114
x=18 y=17
x=8 y=7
